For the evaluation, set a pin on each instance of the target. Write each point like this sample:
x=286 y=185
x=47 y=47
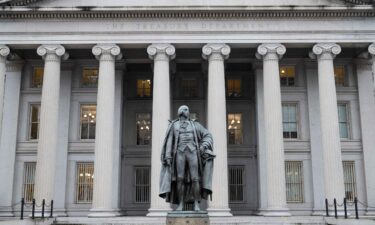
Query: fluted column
x=161 y=113
x=102 y=204
x=49 y=120
x=273 y=145
x=217 y=125
x=4 y=52
x=8 y=138
x=333 y=169
x=371 y=50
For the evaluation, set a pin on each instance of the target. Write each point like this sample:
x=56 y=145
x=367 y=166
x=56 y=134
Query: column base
x=103 y=213
x=276 y=212
x=8 y=212
x=158 y=212
x=318 y=212
x=370 y=212
x=212 y=212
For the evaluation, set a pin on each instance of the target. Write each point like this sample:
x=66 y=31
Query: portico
x=271 y=99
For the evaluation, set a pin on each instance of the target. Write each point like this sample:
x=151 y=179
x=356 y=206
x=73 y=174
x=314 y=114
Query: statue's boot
x=196 y=206
x=196 y=190
x=181 y=193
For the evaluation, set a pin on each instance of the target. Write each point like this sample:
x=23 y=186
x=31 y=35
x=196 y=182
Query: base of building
x=212 y=212
x=276 y=212
x=98 y=213
x=158 y=212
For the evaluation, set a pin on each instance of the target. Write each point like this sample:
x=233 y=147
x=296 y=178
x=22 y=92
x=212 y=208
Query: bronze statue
x=187 y=162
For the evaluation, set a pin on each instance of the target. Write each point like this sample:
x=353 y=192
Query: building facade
x=285 y=87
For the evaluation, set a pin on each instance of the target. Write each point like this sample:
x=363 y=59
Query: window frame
x=354 y=178
x=345 y=70
x=31 y=84
x=244 y=186
x=80 y=124
x=136 y=128
x=242 y=129
x=295 y=74
x=29 y=121
x=348 y=120
x=151 y=87
x=233 y=77
x=302 y=185
x=82 y=71
x=23 y=180
x=134 y=167
x=76 y=201
x=298 y=122
x=182 y=82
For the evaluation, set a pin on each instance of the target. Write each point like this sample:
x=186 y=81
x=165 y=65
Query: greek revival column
x=273 y=140
x=161 y=113
x=102 y=204
x=365 y=76
x=49 y=120
x=217 y=125
x=4 y=52
x=9 y=125
x=333 y=170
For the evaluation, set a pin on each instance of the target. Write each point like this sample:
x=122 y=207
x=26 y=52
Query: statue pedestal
x=188 y=218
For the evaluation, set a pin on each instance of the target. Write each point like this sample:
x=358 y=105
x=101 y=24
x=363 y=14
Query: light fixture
x=282 y=71
x=85 y=115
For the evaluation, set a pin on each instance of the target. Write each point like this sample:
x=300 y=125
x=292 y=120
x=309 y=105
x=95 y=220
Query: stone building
x=285 y=87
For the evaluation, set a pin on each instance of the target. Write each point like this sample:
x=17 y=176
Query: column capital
x=216 y=51
x=52 y=52
x=14 y=66
x=4 y=51
x=161 y=52
x=270 y=51
x=107 y=52
x=371 y=49
x=326 y=51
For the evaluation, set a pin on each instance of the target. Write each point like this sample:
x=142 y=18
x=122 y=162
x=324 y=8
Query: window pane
x=90 y=78
x=142 y=180
x=37 y=80
x=350 y=180
x=143 y=88
x=88 y=121
x=34 y=121
x=84 y=182
x=287 y=75
x=290 y=125
x=29 y=181
x=339 y=75
x=236 y=183
x=235 y=128
x=143 y=121
x=294 y=181
x=343 y=120
x=234 y=88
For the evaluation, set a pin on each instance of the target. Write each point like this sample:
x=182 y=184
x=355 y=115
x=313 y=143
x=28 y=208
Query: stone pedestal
x=187 y=218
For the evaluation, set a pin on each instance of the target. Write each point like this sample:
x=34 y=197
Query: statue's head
x=184 y=111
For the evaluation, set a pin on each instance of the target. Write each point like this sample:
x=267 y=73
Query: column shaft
x=49 y=120
x=8 y=142
x=333 y=169
x=4 y=52
x=216 y=124
x=161 y=113
x=273 y=140
x=102 y=205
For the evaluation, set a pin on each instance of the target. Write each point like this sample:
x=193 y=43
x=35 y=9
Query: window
x=142 y=180
x=143 y=128
x=234 y=88
x=143 y=88
x=235 y=128
x=84 y=182
x=349 y=180
x=90 y=78
x=193 y=116
x=37 y=79
x=236 y=184
x=339 y=72
x=34 y=121
x=88 y=121
x=342 y=109
x=290 y=121
x=189 y=87
x=294 y=181
x=287 y=75
x=28 y=181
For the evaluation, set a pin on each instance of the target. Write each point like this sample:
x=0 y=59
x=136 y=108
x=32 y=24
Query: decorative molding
x=17 y=2
x=215 y=51
x=163 y=52
x=52 y=52
x=326 y=51
x=272 y=51
x=14 y=66
x=49 y=13
x=107 y=52
x=371 y=49
x=4 y=51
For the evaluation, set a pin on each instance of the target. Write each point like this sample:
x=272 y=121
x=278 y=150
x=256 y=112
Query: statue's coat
x=168 y=175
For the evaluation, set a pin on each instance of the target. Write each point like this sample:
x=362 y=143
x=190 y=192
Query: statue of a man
x=187 y=162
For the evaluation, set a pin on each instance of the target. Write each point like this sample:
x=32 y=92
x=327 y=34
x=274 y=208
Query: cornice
x=198 y=12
